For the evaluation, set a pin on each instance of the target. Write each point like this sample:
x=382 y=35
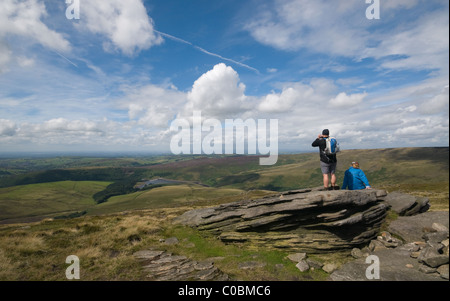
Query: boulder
x=297 y=257
x=435 y=236
x=443 y=271
x=439 y=227
x=412 y=228
x=395 y=265
x=376 y=245
x=406 y=205
x=163 y=266
x=314 y=264
x=171 y=241
x=436 y=261
x=356 y=253
x=423 y=256
x=306 y=220
x=431 y=256
x=330 y=267
x=302 y=265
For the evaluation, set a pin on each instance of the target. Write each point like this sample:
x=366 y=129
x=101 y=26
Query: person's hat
x=326 y=132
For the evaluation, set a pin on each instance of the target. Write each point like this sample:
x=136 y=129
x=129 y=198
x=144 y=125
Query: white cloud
x=342 y=100
x=437 y=104
x=429 y=128
x=293 y=95
x=398 y=4
x=151 y=105
x=24 y=61
x=7 y=127
x=83 y=135
x=125 y=24
x=400 y=39
x=421 y=44
x=22 y=20
x=390 y=118
x=217 y=93
x=64 y=125
x=316 y=25
x=62 y=131
x=349 y=81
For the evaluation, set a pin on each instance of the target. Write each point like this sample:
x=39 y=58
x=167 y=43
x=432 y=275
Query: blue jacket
x=355 y=179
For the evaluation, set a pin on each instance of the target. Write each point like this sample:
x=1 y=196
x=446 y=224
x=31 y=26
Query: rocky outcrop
x=420 y=253
x=406 y=204
x=413 y=228
x=307 y=220
x=312 y=221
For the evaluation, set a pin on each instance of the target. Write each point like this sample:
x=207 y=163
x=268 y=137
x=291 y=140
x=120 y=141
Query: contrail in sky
x=205 y=51
x=65 y=58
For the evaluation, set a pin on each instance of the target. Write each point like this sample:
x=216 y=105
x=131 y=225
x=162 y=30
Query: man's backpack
x=332 y=146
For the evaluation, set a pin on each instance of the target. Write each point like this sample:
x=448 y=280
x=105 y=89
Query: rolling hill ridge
x=106 y=187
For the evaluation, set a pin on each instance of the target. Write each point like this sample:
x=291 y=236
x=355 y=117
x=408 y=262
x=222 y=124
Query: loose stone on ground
x=421 y=256
x=164 y=266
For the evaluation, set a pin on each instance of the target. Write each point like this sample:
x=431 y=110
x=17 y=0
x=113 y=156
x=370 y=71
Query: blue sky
x=115 y=78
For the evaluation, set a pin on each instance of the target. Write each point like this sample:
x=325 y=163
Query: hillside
x=35 y=201
x=107 y=186
x=106 y=235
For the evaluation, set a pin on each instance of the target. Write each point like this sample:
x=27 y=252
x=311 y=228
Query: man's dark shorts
x=328 y=167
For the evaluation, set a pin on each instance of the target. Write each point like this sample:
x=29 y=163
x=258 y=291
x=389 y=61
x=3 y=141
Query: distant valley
x=63 y=187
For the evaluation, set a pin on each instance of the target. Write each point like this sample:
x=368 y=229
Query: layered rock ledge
x=307 y=220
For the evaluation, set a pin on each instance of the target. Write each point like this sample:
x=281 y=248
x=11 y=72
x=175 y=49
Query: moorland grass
x=106 y=238
x=47 y=198
x=105 y=246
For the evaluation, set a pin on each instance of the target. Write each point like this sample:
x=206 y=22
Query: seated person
x=355 y=178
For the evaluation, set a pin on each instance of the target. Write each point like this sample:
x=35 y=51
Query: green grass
x=418 y=169
x=165 y=197
x=105 y=246
x=38 y=251
x=201 y=246
x=31 y=200
x=111 y=232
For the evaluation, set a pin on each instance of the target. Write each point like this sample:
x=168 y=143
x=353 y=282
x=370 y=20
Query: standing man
x=328 y=162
